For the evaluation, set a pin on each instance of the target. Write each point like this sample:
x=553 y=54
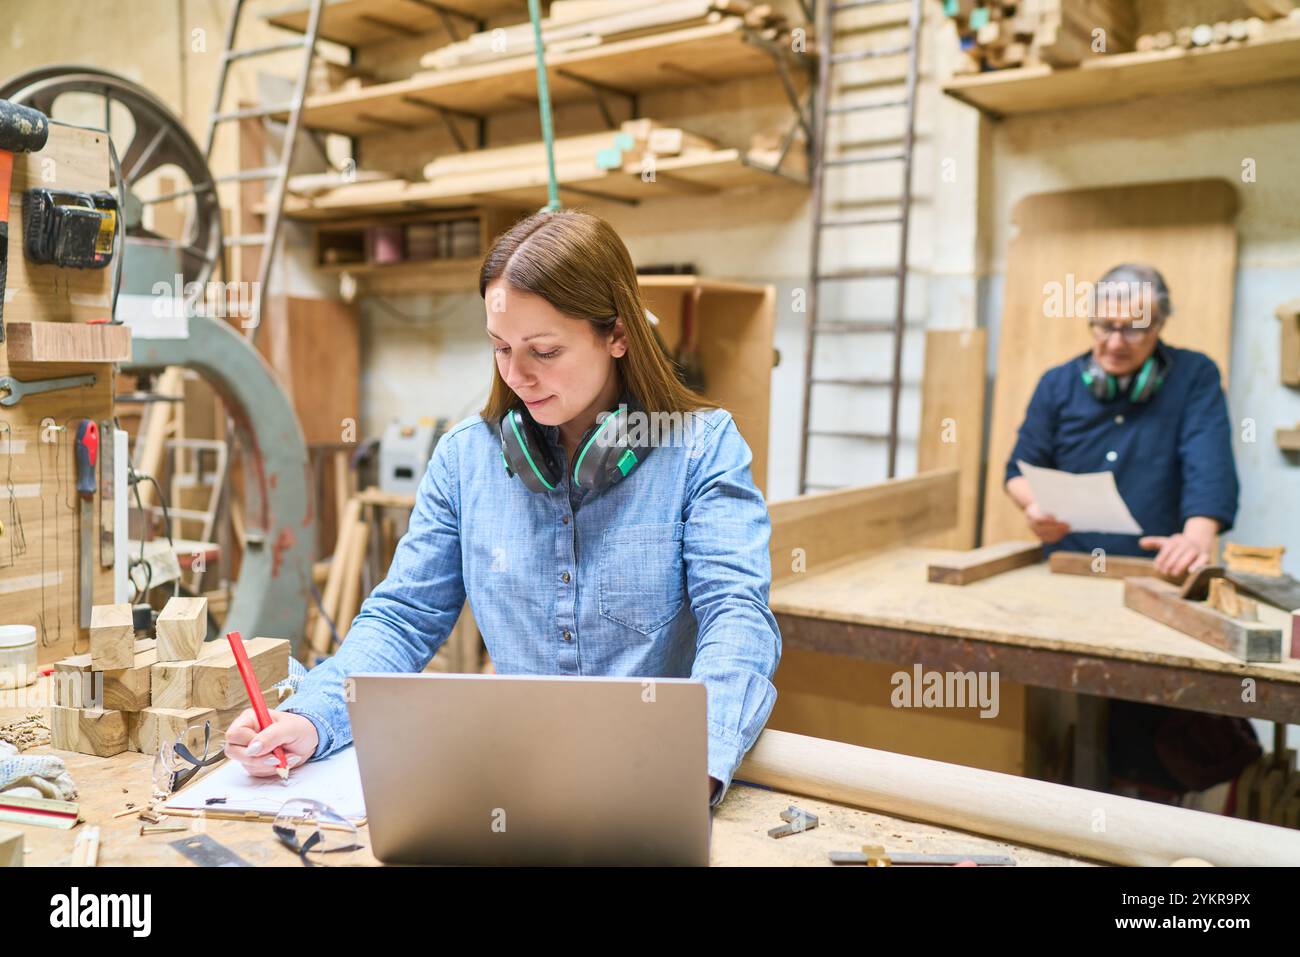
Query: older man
x=1152 y=414
x=1156 y=417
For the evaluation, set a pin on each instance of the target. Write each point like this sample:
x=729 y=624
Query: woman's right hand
x=1044 y=525
x=253 y=748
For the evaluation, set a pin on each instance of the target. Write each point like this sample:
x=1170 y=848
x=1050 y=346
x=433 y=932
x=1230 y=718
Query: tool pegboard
x=39 y=508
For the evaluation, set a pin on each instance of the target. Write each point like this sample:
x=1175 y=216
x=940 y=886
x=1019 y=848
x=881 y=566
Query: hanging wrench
x=11 y=390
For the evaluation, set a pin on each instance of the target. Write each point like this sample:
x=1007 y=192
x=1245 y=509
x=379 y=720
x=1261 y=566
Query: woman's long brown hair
x=577 y=263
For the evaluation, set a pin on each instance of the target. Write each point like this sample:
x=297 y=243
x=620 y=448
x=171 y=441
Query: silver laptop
x=493 y=769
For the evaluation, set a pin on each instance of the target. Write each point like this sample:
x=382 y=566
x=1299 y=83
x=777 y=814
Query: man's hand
x=1189 y=550
x=1044 y=525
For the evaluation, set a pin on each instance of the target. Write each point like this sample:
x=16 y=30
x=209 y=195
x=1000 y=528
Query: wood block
x=158 y=725
x=985 y=562
x=1106 y=566
x=173 y=684
x=1255 y=559
x=67 y=342
x=1249 y=641
x=216 y=676
x=112 y=637
x=88 y=730
x=182 y=626
x=128 y=689
x=1288 y=315
x=1223 y=596
x=11 y=848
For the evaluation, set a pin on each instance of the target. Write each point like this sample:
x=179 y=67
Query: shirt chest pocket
x=642 y=575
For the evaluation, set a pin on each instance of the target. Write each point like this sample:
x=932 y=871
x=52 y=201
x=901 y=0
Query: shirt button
x=1119 y=420
x=568 y=636
x=565 y=578
x=565 y=520
x=1111 y=456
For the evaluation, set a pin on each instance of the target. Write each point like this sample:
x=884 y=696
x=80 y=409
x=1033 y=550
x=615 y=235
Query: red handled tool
x=87 y=456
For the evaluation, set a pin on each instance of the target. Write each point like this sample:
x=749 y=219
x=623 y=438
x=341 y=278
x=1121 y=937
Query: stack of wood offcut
x=1271 y=17
x=141 y=694
x=998 y=35
x=580 y=24
x=1062 y=33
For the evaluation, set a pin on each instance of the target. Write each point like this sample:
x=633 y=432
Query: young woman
x=628 y=544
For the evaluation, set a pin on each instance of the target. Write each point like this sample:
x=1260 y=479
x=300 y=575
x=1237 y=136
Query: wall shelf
x=676 y=58
x=686 y=175
x=354 y=23
x=1125 y=77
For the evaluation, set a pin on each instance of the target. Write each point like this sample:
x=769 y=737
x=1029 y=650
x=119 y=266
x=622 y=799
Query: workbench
x=740 y=826
x=1067 y=632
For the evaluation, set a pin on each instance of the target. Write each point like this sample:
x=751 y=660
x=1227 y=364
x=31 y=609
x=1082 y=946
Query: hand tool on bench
x=22 y=130
x=87 y=453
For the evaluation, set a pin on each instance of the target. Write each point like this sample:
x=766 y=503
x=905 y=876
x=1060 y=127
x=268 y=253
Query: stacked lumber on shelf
x=580 y=24
x=130 y=694
x=1063 y=33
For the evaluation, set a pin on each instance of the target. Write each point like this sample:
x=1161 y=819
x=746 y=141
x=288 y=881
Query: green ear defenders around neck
x=606 y=454
x=1146 y=382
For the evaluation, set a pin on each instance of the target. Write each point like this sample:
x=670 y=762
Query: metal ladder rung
x=839 y=223
x=857 y=56
x=251 y=113
x=862 y=107
x=869 y=272
x=232 y=55
x=251 y=239
x=859 y=4
x=866 y=327
x=243 y=176
x=844 y=434
x=866 y=381
x=865 y=160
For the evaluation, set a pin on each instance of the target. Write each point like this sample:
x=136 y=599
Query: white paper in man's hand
x=1087 y=502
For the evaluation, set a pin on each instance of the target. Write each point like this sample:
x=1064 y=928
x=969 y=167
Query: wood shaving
x=29 y=731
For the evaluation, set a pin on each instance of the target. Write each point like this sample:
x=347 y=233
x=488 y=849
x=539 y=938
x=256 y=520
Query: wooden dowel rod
x=1089 y=824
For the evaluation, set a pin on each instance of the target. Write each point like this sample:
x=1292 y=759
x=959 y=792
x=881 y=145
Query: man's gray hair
x=1121 y=280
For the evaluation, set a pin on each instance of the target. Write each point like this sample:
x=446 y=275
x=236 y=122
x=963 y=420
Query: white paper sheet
x=335 y=781
x=1087 y=502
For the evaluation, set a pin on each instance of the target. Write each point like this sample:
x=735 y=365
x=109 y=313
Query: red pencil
x=255 y=696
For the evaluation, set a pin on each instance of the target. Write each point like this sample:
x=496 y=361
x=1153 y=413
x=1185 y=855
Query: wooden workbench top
x=740 y=828
x=1030 y=607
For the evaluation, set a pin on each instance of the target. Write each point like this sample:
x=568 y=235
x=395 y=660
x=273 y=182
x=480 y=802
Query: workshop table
x=740 y=825
x=1031 y=626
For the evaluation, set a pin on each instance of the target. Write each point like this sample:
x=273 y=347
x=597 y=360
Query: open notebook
x=335 y=781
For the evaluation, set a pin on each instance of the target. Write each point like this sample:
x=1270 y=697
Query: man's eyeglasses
x=1101 y=331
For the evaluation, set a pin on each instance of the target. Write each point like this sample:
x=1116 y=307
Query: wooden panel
x=1122 y=77
x=813 y=533
x=1184 y=229
x=734 y=341
x=844 y=699
x=952 y=422
x=67 y=342
x=40 y=541
x=72 y=159
x=318 y=359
